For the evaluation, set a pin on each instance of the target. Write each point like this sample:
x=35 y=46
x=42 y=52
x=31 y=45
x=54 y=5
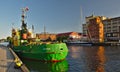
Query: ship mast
x=24 y=30
x=44 y=32
x=24 y=25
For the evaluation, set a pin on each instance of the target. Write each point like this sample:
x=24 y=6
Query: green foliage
x=60 y=39
x=49 y=39
x=9 y=38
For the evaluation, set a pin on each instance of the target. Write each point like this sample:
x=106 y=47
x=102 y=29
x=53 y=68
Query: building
x=70 y=35
x=84 y=29
x=94 y=28
x=112 y=29
x=45 y=36
x=86 y=24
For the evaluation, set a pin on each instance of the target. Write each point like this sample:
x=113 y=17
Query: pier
x=7 y=61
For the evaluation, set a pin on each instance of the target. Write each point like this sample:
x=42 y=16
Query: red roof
x=67 y=33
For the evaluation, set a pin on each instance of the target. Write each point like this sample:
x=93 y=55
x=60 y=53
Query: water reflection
x=95 y=59
x=75 y=52
x=83 y=59
x=36 y=66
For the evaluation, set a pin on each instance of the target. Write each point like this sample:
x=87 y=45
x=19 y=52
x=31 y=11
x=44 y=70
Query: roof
x=66 y=33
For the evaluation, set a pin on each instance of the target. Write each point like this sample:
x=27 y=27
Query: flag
x=26 y=9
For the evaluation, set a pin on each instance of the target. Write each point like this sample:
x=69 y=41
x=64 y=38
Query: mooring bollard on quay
x=18 y=62
x=9 y=61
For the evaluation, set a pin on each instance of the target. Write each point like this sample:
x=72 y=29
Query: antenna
x=44 y=29
x=44 y=32
x=81 y=16
x=12 y=25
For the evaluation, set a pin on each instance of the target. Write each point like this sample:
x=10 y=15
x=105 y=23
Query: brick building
x=95 y=28
x=45 y=36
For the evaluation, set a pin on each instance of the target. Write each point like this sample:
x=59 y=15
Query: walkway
x=7 y=60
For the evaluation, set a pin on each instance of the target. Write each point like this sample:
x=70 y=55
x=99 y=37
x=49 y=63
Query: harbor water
x=82 y=59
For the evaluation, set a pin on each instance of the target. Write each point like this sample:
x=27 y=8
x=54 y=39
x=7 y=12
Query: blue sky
x=57 y=15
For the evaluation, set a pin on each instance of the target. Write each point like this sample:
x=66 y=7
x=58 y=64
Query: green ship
x=32 y=48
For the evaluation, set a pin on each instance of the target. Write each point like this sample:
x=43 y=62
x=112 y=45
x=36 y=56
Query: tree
x=9 y=38
x=61 y=38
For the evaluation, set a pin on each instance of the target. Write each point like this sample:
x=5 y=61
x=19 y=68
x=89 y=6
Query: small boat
x=80 y=43
x=32 y=48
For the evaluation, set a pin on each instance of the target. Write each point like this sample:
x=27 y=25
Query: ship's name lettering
x=46 y=48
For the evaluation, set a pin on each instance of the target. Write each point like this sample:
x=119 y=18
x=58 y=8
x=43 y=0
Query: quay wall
x=23 y=67
x=108 y=44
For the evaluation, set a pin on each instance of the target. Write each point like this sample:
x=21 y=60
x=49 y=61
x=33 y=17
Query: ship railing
x=39 y=43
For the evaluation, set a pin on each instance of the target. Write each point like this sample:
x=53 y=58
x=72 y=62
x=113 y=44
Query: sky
x=57 y=16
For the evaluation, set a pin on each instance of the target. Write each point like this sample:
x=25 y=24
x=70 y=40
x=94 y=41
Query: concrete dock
x=7 y=61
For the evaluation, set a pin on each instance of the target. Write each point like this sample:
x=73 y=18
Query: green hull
x=36 y=66
x=44 y=52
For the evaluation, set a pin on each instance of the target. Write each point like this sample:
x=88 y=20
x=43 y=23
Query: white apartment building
x=112 y=29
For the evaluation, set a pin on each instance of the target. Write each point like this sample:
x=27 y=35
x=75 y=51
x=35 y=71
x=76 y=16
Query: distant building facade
x=84 y=27
x=45 y=36
x=112 y=29
x=70 y=35
x=94 y=28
